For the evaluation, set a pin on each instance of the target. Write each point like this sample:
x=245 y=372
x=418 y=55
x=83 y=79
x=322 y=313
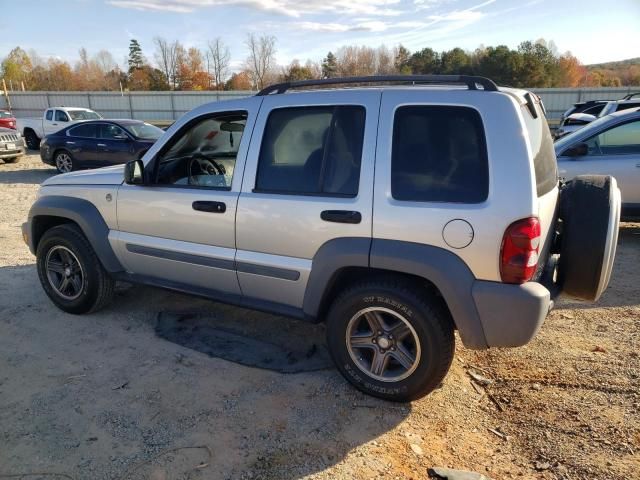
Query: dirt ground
x=103 y=397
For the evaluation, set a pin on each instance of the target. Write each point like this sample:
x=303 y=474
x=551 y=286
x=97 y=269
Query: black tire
x=11 y=160
x=96 y=289
x=33 y=142
x=425 y=315
x=590 y=214
x=58 y=162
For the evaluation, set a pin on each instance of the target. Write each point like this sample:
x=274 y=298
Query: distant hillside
x=615 y=65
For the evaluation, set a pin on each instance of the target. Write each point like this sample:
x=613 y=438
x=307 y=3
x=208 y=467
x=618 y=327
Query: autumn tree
x=219 y=56
x=261 y=59
x=239 y=81
x=166 y=58
x=294 y=71
x=572 y=73
x=16 y=68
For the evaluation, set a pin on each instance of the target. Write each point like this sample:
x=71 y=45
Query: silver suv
x=395 y=209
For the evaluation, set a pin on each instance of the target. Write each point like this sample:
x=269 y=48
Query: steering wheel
x=205 y=165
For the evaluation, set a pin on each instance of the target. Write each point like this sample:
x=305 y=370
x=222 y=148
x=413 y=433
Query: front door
x=180 y=228
x=114 y=145
x=60 y=120
x=308 y=180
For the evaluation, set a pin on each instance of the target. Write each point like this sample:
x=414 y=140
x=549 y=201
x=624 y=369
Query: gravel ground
x=103 y=397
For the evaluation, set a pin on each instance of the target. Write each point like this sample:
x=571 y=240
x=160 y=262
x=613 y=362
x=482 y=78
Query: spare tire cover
x=590 y=214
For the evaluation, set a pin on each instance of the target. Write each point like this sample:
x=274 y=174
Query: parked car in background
x=609 y=145
x=7 y=120
x=98 y=143
x=584 y=113
x=53 y=119
x=592 y=107
x=11 y=145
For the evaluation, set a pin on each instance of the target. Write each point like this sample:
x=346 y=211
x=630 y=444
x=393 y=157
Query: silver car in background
x=609 y=145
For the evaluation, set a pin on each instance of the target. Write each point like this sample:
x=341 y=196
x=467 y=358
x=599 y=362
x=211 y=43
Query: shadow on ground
x=101 y=396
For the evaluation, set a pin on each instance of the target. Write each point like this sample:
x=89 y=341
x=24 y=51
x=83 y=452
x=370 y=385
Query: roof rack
x=470 y=81
x=630 y=96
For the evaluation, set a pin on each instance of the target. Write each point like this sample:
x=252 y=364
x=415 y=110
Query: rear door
x=308 y=180
x=614 y=151
x=114 y=145
x=81 y=142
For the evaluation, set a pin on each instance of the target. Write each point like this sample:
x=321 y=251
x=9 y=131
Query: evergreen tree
x=136 y=59
x=329 y=66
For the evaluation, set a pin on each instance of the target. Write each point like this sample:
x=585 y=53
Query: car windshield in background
x=568 y=139
x=145 y=131
x=83 y=115
x=5 y=114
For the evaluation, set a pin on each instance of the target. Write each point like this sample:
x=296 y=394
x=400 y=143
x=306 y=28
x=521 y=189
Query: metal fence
x=168 y=106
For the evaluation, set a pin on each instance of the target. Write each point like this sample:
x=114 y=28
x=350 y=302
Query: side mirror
x=577 y=150
x=134 y=172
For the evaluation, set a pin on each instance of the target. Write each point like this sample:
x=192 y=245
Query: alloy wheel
x=64 y=163
x=64 y=272
x=383 y=344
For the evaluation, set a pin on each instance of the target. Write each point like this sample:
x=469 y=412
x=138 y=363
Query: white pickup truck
x=53 y=119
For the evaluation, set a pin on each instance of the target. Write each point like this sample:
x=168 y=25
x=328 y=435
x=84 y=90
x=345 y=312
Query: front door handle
x=341 y=216
x=101 y=145
x=210 y=207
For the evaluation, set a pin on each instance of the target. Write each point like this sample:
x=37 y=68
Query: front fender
x=83 y=213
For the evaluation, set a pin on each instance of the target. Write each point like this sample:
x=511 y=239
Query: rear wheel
x=390 y=339
x=33 y=142
x=64 y=161
x=70 y=272
x=590 y=213
x=11 y=160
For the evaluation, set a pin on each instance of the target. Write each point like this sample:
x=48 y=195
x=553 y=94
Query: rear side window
x=439 y=154
x=544 y=155
x=85 y=131
x=312 y=150
x=49 y=115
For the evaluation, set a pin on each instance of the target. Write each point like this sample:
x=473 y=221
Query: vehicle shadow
x=104 y=396
x=623 y=289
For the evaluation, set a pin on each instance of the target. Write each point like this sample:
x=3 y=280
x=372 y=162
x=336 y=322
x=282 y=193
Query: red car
x=7 y=120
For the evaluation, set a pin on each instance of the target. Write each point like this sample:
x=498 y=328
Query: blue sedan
x=98 y=143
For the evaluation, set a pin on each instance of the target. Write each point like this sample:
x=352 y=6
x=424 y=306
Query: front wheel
x=390 y=339
x=70 y=272
x=33 y=142
x=64 y=162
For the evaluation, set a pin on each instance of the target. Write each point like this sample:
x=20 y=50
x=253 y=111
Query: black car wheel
x=64 y=161
x=33 y=142
x=70 y=272
x=11 y=160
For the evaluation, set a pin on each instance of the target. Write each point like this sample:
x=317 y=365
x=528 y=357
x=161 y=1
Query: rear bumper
x=510 y=315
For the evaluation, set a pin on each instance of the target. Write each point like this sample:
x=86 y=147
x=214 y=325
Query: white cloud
x=293 y=8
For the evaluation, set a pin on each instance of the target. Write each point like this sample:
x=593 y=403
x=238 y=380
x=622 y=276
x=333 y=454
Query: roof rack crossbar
x=631 y=95
x=470 y=81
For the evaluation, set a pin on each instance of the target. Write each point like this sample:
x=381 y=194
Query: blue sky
x=593 y=30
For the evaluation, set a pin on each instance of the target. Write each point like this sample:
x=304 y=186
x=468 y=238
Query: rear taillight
x=519 y=252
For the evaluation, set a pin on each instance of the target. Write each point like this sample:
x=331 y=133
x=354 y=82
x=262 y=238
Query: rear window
x=439 y=154
x=544 y=155
x=4 y=114
x=86 y=131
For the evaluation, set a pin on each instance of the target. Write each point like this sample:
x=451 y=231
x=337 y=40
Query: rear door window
x=439 y=154
x=49 y=115
x=83 y=131
x=312 y=151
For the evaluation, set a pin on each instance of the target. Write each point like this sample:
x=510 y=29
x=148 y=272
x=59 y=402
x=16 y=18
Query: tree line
x=172 y=66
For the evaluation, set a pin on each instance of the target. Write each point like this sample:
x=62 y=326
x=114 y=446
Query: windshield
x=83 y=115
x=591 y=127
x=145 y=131
x=4 y=114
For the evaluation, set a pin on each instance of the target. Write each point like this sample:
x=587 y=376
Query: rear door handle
x=210 y=207
x=101 y=145
x=70 y=143
x=341 y=216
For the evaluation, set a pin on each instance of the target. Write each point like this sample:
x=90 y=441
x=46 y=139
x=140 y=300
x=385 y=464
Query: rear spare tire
x=590 y=214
